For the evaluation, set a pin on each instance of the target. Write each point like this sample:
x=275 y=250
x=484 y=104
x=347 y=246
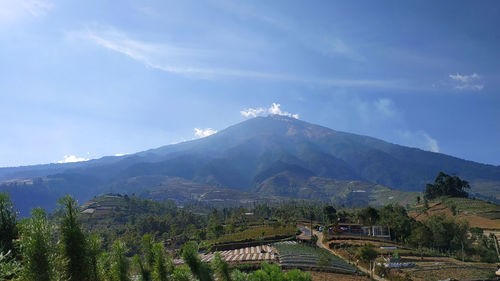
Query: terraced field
x=242 y=255
x=293 y=255
x=254 y=234
x=477 y=212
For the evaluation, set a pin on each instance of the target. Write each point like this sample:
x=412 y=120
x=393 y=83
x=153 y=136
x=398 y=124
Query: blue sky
x=85 y=79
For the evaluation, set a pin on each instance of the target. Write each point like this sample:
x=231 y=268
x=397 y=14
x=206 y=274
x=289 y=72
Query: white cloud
x=72 y=159
x=273 y=109
x=464 y=82
x=16 y=10
x=201 y=133
x=253 y=112
x=121 y=154
x=419 y=139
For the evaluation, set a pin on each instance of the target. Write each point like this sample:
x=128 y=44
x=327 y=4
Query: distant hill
x=272 y=156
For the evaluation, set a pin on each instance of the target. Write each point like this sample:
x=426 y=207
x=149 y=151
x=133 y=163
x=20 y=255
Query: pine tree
x=8 y=222
x=220 y=268
x=160 y=268
x=191 y=258
x=36 y=247
x=74 y=248
x=94 y=243
x=119 y=265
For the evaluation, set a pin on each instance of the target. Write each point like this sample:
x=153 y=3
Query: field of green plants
x=255 y=233
x=472 y=206
x=293 y=255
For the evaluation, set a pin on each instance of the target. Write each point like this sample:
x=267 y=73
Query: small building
x=381 y=231
x=347 y=229
x=360 y=230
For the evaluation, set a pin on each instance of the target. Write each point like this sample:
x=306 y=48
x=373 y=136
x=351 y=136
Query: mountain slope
x=273 y=155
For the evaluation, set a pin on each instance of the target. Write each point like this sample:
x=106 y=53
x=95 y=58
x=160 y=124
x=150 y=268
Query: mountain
x=274 y=156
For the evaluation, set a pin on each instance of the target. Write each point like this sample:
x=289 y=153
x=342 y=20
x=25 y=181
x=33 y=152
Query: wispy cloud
x=275 y=108
x=467 y=82
x=201 y=133
x=16 y=10
x=319 y=41
x=186 y=61
x=419 y=139
x=385 y=106
x=72 y=159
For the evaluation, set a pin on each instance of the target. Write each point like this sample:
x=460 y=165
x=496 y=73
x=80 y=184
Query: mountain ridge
x=282 y=152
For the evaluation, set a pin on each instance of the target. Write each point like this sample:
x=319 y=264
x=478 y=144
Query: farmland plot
x=242 y=255
x=293 y=255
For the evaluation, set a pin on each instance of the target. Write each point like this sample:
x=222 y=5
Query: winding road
x=322 y=245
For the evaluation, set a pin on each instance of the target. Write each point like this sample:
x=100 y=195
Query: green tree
x=446 y=185
x=8 y=224
x=9 y=266
x=36 y=247
x=147 y=250
x=94 y=244
x=146 y=269
x=369 y=216
x=273 y=272
x=182 y=273
x=220 y=268
x=215 y=228
x=73 y=242
x=191 y=258
x=237 y=275
x=330 y=213
x=420 y=237
x=104 y=267
x=396 y=218
x=368 y=254
x=460 y=235
x=162 y=267
x=119 y=265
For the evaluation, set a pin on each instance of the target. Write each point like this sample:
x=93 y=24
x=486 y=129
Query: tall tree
x=396 y=218
x=446 y=185
x=330 y=213
x=119 y=265
x=94 y=244
x=36 y=247
x=8 y=224
x=368 y=254
x=191 y=258
x=420 y=237
x=220 y=268
x=73 y=241
x=369 y=216
x=162 y=267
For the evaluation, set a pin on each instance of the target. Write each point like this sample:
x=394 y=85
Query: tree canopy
x=446 y=185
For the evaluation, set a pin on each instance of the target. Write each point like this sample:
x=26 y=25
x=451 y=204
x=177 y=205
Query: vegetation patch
x=293 y=255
